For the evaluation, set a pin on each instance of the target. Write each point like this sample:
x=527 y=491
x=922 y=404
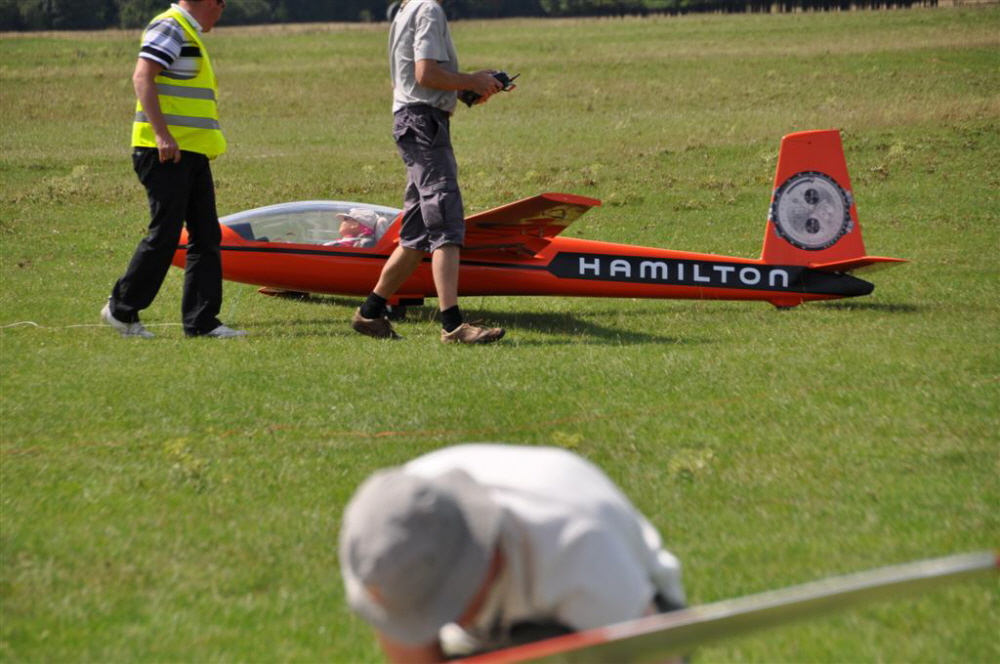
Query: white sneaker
x=457 y=643
x=135 y=329
x=225 y=332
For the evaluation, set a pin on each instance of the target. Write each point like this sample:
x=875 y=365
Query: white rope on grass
x=232 y=310
x=236 y=300
x=66 y=327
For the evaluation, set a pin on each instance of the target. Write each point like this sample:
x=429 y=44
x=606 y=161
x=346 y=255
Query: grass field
x=179 y=500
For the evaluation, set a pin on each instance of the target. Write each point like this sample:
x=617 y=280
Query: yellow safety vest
x=189 y=106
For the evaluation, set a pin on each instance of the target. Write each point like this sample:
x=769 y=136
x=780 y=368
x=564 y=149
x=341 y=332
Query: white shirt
x=577 y=551
x=165 y=43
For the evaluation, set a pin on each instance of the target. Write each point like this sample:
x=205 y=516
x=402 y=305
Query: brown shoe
x=467 y=333
x=380 y=328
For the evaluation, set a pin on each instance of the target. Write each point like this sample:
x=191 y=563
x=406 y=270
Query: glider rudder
x=812 y=219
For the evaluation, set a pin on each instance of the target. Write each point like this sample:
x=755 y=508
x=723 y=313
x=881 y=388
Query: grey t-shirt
x=420 y=32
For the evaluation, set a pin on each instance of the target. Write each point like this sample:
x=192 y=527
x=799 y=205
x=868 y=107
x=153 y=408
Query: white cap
x=363 y=216
x=414 y=551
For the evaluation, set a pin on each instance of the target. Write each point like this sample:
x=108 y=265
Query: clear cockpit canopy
x=308 y=222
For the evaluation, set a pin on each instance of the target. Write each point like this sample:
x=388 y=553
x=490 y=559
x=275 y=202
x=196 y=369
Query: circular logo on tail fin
x=811 y=211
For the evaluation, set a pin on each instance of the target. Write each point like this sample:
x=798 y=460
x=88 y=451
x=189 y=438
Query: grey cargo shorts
x=433 y=215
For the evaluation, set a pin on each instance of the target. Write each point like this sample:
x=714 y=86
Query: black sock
x=451 y=318
x=373 y=307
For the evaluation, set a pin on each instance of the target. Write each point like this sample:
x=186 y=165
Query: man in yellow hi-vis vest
x=175 y=133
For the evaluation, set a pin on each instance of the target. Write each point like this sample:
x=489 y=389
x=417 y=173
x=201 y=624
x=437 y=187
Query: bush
x=92 y=14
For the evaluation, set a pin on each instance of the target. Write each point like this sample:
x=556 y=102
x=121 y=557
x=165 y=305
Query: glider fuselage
x=812 y=244
x=566 y=267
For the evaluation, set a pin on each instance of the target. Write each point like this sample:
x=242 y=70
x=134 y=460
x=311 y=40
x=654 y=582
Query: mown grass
x=179 y=500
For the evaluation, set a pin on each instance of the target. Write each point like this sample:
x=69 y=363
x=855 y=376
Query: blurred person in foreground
x=478 y=547
x=425 y=83
x=175 y=133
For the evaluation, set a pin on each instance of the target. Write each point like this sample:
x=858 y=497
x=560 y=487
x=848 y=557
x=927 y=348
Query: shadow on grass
x=324 y=300
x=873 y=306
x=580 y=330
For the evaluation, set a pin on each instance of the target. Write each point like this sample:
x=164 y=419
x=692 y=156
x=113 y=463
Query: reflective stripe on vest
x=184 y=91
x=188 y=106
x=183 y=121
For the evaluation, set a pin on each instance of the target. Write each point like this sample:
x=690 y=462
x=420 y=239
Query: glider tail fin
x=812 y=220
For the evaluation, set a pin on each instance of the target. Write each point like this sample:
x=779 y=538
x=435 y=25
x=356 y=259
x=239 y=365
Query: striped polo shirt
x=165 y=43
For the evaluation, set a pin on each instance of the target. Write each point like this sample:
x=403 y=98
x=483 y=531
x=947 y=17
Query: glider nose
x=180 y=254
x=229 y=236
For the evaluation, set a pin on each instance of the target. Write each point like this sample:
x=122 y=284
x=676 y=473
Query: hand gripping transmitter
x=469 y=97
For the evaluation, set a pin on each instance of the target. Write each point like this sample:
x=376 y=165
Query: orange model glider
x=812 y=245
x=667 y=636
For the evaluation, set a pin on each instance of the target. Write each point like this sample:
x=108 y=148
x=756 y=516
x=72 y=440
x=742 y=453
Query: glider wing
x=658 y=638
x=525 y=227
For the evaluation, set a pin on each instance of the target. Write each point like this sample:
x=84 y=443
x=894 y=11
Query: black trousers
x=529 y=632
x=178 y=193
x=522 y=633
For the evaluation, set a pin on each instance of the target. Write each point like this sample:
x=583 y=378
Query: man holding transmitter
x=175 y=133
x=425 y=81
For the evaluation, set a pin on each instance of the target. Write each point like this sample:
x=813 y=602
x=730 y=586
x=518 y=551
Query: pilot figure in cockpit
x=360 y=228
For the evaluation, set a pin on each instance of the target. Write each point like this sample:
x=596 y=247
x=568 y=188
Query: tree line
x=99 y=14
